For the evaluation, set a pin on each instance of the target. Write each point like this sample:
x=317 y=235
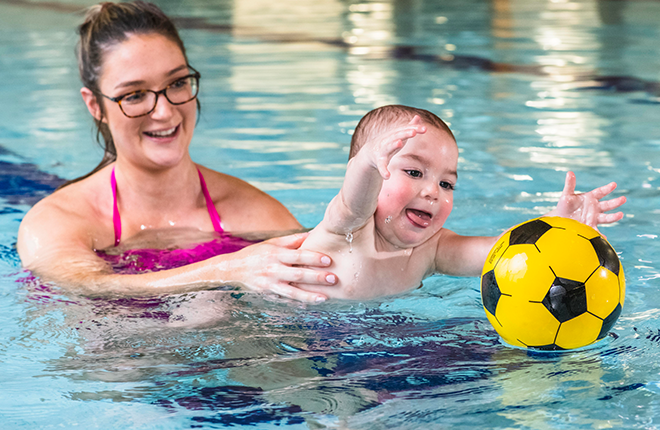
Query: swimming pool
x=530 y=88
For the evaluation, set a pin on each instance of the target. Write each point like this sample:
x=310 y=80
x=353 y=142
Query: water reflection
x=234 y=358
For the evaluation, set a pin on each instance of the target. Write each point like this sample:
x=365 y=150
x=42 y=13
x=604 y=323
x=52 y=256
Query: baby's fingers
x=608 y=205
x=600 y=192
x=382 y=168
x=609 y=218
x=569 y=184
x=416 y=120
x=408 y=132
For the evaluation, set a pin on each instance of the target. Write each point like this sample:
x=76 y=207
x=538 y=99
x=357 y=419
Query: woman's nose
x=163 y=107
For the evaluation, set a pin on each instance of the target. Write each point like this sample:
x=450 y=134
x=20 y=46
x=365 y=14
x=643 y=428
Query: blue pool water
x=531 y=88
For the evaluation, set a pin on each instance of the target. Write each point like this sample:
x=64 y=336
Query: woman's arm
x=57 y=245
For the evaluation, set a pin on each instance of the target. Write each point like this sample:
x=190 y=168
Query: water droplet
x=349 y=239
x=388 y=219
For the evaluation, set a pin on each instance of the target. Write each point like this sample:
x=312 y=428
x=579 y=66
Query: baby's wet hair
x=383 y=118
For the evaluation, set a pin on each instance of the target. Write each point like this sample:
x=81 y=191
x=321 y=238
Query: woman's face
x=147 y=62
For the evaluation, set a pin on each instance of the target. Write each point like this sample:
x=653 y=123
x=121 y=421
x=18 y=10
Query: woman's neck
x=163 y=191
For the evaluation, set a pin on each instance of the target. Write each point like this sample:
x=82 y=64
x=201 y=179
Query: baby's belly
x=370 y=279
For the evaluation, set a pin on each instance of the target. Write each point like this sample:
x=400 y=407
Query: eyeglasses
x=142 y=102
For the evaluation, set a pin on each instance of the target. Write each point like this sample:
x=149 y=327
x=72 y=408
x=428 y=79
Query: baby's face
x=416 y=200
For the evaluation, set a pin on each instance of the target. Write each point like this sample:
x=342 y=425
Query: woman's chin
x=165 y=159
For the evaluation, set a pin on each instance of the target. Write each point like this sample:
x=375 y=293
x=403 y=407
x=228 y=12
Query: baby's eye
x=414 y=173
x=447 y=185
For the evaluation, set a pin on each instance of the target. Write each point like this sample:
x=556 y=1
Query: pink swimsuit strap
x=116 y=218
x=213 y=212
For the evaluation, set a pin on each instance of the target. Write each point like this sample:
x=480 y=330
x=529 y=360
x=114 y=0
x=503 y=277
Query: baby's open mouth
x=419 y=218
x=163 y=133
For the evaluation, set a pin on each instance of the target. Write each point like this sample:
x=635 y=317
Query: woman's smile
x=164 y=135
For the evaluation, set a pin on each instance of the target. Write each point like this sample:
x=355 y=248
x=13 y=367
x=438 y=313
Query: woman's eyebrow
x=128 y=84
x=140 y=82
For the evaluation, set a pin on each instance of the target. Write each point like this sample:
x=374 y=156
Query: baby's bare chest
x=364 y=271
x=364 y=277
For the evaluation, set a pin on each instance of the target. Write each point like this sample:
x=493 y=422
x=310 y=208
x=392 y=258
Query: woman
x=142 y=92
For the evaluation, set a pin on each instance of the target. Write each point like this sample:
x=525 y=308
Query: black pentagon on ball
x=490 y=291
x=529 y=232
x=609 y=321
x=606 y=254
x=566 y=299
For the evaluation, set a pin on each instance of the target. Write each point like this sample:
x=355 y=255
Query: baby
x=384 y=230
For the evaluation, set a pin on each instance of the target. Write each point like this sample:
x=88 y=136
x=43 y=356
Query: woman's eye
x=135 y=97
x=447 y=185
x=179 y=84
x=414 y=173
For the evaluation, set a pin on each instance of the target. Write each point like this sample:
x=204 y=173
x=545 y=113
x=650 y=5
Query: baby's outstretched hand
x=392 y=142
x=588 y=207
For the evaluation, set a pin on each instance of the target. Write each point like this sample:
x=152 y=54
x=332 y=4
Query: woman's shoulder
x=223 y=186
x=79 y=203
x=68 y=217
x=244 y=207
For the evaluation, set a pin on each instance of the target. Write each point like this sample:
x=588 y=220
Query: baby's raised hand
x=391 y=142
x=587 y=207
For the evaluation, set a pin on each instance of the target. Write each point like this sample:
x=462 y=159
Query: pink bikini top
x=116 y=219
x=135 y=261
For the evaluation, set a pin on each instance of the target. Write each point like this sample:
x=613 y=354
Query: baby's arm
x=587 y=207
x=458 y=255
x=465 y=255
x=357 y=200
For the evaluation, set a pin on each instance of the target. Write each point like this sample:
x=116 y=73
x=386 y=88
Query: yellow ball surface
x=552 y=283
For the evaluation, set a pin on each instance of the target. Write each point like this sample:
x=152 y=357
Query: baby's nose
x=431 y=190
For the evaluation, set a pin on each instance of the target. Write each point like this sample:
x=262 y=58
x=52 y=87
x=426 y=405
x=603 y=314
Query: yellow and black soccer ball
x=552 y=283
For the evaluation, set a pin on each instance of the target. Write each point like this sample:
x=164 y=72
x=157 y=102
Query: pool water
x=531 y=89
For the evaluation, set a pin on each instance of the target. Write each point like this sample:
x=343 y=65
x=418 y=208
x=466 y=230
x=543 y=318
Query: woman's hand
x=279 y=266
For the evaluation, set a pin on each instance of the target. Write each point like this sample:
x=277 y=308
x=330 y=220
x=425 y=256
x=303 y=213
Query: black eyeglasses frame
x=196 y=75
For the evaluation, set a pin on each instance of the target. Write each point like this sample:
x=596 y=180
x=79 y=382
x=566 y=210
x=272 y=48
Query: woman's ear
x=92 y=103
